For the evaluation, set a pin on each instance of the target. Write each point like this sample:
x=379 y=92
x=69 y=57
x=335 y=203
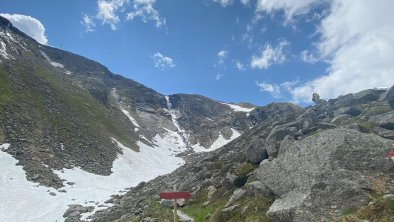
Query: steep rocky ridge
x=60 y=110
x=328 y=162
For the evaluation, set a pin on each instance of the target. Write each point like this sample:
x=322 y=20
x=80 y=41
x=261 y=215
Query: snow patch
x=3 y=50
x=238 y=108
x=4 y=146
x=55 y=64
x=173 y=114
x=219 y=142
x=129 y=169
x=131 y=119
x=183 y=216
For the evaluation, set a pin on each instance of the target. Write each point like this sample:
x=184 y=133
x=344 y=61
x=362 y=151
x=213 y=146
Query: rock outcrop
x=321 y=176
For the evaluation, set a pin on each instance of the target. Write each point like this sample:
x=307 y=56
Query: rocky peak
x=4 y=23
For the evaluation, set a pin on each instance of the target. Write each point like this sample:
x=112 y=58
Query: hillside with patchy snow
x=73 y=133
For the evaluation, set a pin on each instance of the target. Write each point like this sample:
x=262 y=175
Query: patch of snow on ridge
x=173 y=114
x=220 y=141
x=3 y=50
x=131 y=119
x=4 y=146
x=130 y=168
x=238 y=108
x=55 y=64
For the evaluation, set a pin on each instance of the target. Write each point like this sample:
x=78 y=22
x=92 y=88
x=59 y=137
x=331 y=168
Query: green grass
x=347 y=212
x=256 y=208
x=243 y=169
x=215 y=166
x=5 y=87
x=379 y=210
x=200 y=213
x=155 y=210
x=91 y=116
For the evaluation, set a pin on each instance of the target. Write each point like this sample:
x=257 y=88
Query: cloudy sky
x=256 y=51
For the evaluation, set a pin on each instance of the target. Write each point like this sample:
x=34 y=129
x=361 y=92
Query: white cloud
x=224 y=3
x=245 y=2
x=291 y=8
x=222 y=55
x=145 y=10
x=357 y=38
x=29 y=25
x=218 y=76
x=107 y=12
x=240 y=66
x=307 y=57
x=88 y=23
x=277 y=90
x=112 y=12
x=162 y=62
x=357 y=41
x=269 y=56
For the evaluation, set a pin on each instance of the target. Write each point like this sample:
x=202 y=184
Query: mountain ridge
x=60 y=110
x=75 y=130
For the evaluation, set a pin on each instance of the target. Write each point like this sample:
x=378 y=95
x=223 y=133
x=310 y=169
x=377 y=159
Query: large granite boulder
x=323 y=175
x=256 y=152
x=385 y=120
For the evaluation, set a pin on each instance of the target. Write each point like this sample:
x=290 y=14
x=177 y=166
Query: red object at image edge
x=390 y=153
x=175 y=195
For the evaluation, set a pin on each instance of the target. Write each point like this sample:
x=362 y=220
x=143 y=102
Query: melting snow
x=3 y=50
x=4 y=146
x=19 y=195
x=238 y=108
x=173 y=114
x=220 y=141
x=55 y=64
x=131 y=119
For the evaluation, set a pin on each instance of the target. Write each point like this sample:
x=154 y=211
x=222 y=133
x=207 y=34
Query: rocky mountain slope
x=65 y=118
x=60 y=110
x=330 y=162
x=82 y=133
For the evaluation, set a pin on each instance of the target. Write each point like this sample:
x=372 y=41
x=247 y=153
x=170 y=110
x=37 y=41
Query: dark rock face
x=203 y=119
x=384 y=120
x=362 y=97
x=255 y=153
x=347 y=110
x=306 y=178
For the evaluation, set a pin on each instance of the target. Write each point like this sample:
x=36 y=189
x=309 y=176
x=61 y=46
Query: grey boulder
x=323 y=175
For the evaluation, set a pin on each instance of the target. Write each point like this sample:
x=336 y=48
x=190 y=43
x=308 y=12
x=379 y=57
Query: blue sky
x=256 y=51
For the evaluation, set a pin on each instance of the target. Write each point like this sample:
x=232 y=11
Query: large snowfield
x=23 y=200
